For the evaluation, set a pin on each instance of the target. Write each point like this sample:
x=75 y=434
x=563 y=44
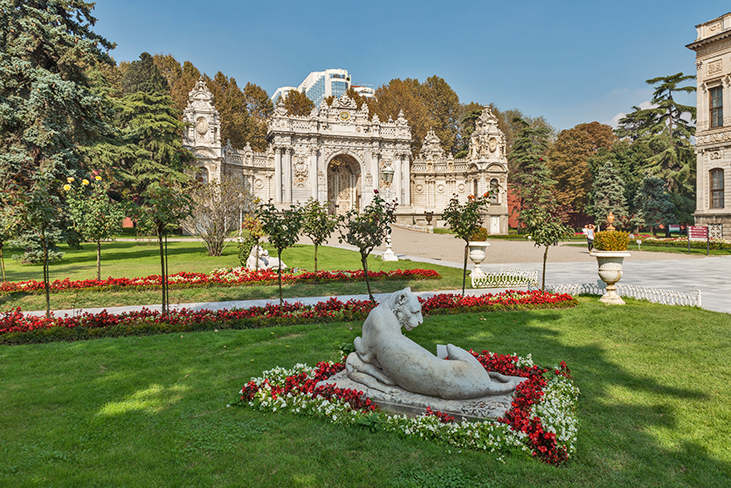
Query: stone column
x=278 y=174
x=287 y=192
x=313 y=173
x=405 y=180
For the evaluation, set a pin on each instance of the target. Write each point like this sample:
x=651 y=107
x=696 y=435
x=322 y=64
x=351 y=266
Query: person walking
x=589 y=232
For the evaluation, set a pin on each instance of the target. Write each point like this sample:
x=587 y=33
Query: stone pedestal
x=400 y=401
x=610 y=271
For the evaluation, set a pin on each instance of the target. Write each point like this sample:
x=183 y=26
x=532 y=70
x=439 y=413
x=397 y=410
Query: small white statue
x=261 y=255
x=385 y=358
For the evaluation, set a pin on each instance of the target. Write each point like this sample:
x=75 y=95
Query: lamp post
x=387 y=178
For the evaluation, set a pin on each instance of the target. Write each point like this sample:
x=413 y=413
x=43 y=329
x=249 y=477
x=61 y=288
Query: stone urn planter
x=477 y=254
x=610 y=271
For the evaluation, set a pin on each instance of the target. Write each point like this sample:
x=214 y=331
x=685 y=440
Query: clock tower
x=203 y=132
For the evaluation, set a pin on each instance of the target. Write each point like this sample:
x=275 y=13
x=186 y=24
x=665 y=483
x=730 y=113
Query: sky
x=568 y=61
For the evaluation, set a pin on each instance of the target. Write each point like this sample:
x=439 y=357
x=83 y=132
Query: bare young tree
x=217 y=211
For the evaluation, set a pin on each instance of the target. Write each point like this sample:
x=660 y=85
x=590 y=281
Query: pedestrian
x=589 y=232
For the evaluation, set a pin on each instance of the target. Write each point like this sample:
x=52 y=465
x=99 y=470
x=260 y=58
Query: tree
x=608 y=194
x=532 y=178
x=143 y=76
x=260 y=108
x=297 y=103
x=668 y=128
x=48 y=112
x=442 y=105
x=10 y=221
x=317 y=224
x=166 y=204
x=216 y=210
x=93 y=214
x=464 y=219
x=468 y=115
x=654 y=203
x=368 y=229
x=231 y=104
x=545 y=230
x=282 y=227
x=569 y=162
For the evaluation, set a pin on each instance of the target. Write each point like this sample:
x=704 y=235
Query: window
x=717 y=188
x=474 y=187
x=494 y=192
x=716 y=105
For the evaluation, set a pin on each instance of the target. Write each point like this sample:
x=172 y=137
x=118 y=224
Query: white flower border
x=557 y=411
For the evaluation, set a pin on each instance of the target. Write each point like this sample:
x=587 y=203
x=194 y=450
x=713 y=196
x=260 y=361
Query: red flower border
x=241 y=277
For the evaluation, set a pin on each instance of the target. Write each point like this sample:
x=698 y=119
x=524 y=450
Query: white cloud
x=615 y=120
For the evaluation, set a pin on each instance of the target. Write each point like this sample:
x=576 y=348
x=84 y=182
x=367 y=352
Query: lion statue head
x=406 y=307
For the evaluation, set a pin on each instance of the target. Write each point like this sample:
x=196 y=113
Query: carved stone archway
x=344 y=186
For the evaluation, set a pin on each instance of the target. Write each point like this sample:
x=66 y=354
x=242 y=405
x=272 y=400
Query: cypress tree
x=608 y=194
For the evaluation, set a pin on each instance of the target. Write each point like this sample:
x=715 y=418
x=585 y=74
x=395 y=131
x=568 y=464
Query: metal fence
x=506 y=279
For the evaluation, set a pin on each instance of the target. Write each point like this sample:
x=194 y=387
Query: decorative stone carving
x=431 y=149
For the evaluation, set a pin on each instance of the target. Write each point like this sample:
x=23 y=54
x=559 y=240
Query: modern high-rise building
x=364 y=91
x=319 y=85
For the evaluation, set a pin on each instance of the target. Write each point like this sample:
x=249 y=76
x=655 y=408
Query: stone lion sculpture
x=385 y=358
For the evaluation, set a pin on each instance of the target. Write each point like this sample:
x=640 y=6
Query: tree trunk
x=279 y=276
x=543 y=281
x=315 y=262
x=162 y=268
x=256 y=254
x=46 y=285
x=98 y=260
x=167 y=285
x=464 y=268
x=2 y=262
x=364 y=262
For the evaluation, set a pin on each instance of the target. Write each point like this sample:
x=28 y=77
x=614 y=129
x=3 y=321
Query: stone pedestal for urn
x=477 y=254
x=610 y=271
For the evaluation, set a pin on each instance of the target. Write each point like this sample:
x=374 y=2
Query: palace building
x=713 y=126
x=339 y=154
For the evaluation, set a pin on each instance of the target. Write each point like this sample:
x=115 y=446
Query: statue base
x=397 y=400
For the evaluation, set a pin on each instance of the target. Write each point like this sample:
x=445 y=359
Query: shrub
x=480 y=234
x=611 y=240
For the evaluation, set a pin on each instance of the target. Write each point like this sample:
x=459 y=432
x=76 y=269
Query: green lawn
x=132 y=259
x=151 y=411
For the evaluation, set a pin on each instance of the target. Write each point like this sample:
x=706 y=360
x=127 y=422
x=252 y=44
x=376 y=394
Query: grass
x=673 y=249
x=141 y=259
x=151 y=411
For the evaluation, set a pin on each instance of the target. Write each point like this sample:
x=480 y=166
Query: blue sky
x=570 y=61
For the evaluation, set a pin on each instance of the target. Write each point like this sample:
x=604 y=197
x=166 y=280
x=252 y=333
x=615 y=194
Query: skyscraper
x=319 y=85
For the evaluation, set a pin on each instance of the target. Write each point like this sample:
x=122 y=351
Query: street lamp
x=387 y=178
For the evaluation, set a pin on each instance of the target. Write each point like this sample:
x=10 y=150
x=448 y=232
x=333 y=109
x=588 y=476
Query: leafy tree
x=232 y=107
x=608 y=194
x=357 y=97
x=143 y=76
x=368 y=229
x=48 y=112
x=545 y=230
x=297 y=103
x=654 y=203
x=442 y=105
x=468 y=115
x=569 y=162
x=464 y=219
x=260 y=108
x=317 y=223
x=251 y=233
x=216 y=209
x=165 y=205
x=93 y=214
x=282 y=227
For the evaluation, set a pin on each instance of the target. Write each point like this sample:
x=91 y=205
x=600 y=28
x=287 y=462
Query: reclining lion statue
x=384 y=357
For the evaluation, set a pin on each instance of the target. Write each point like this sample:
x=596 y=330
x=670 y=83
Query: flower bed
x=220 y=277
x=18 y=328
x=541 y=420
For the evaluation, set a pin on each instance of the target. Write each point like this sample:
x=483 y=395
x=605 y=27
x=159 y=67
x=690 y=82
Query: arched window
x=716 y=188
x=202 y=175
x=494 y=191
x=475 y=191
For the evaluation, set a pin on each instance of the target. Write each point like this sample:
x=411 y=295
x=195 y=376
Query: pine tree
x=143 y=76
x=608 y=194
x=47 y=109
x=654 y=203
x=532 y=177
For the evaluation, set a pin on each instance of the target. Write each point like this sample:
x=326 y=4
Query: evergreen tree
x=143 y=76
x=532 y=178
x=654 y=204
x=667 y=127
x=47 y=109
x=608 y=194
